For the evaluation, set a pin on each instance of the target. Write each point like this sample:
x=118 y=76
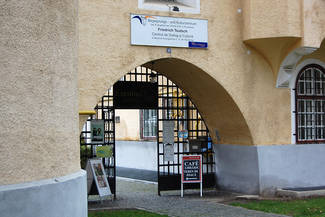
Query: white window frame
x=292 y=85
x=143 y=125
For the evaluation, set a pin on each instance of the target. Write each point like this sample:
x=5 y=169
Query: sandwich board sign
x=191 y=171
x=99 y=175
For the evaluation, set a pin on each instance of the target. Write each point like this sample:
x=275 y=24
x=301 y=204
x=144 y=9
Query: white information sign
x=168 y=132
x=168 y=31
x=168 y=152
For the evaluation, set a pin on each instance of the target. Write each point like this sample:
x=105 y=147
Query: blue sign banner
x=183 y=134
x=193 y=44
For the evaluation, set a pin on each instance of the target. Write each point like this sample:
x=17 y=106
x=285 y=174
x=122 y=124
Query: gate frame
x=166 y=180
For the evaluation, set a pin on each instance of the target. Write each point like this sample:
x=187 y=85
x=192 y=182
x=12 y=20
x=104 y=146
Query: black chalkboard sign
x=135 y=95
x=192 y=169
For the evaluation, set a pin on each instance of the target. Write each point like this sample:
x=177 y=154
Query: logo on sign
x=143 y=19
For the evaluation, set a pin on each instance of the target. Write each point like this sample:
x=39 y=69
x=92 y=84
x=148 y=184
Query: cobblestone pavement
x=134 y=194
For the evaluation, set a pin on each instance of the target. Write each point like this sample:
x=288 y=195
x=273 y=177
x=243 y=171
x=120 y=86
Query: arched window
x=310 y=105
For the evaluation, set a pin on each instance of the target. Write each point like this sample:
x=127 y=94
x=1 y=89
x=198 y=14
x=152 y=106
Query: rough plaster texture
x=38 y=90
x=273 y=28
x=263 y=169
x=60 y=197
x=244 y=80
x=274 y=50
x=314 y=19
x=136 y=154
x=270 y=19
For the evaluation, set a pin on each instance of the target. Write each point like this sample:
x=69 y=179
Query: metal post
x=182 y=189
x=201 y=183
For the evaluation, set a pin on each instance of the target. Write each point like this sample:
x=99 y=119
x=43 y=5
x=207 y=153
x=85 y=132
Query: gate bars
x=173 y=104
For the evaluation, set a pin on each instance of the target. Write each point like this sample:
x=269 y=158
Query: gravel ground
x=134 y=194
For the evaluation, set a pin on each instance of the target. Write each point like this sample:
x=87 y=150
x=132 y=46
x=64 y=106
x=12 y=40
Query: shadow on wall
x=216 y=106
x=318 y=54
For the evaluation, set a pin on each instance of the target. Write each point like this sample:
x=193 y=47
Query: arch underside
x=220 y=112
x=218 y=109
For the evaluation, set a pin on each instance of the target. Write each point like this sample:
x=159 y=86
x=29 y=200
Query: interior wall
x=129 y=127
x=136 y=154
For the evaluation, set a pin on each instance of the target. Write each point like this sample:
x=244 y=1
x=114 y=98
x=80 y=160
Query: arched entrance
x=144 y=88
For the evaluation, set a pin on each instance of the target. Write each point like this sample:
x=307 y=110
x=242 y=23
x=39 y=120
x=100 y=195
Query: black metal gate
x=173 y=105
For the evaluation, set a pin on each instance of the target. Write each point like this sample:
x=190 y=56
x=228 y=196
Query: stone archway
x=219 y=110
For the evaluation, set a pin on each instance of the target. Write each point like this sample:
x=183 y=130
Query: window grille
x=149 y=123
x=310 y=105
x=173 y=104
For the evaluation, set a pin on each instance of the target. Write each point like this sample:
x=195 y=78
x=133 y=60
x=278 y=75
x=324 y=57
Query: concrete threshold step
x=248 y=197
x=301 y=192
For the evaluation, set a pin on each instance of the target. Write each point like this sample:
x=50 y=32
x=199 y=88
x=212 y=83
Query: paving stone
x=132 y=194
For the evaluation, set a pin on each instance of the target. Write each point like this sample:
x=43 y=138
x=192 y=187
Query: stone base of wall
x=263 y=169
x=60 y=197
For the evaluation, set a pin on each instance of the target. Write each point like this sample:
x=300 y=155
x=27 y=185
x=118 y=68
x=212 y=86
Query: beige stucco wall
x=277 y=27
x=38 y=90
x=232 y=84
x=272 y=18
x=105 y=55
x=273 y=28
x=129 y=126
x=314 y=22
